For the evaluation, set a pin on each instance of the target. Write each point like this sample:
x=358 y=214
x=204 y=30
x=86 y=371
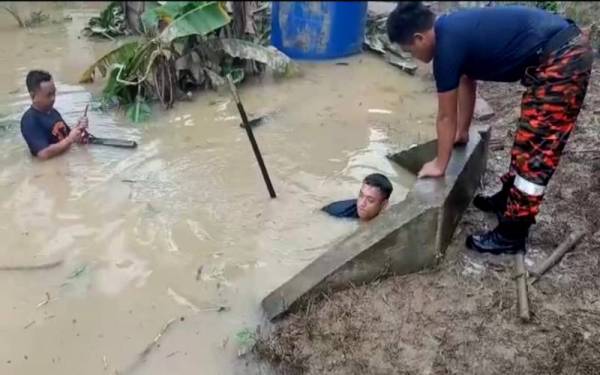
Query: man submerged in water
x=46 y=133
x=372 y=199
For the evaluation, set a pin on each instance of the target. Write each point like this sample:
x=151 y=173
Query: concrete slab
x=482 y=111
x=408 y=237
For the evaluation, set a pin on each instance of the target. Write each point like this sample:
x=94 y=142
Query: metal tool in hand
x=86 y=135
x=91 y=139
x=248 y=128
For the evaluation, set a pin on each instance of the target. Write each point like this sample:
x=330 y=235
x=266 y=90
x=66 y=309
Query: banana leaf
x=201 y=20
x=120 y=55
x=168 y=12
x=270 y=56
x=111 y=22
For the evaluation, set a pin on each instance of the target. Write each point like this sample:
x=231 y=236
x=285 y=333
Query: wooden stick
x=157 y=338
x=32 y=267
x=521 y=280
x=142 y=356
x=557 y=255
x=248 y=128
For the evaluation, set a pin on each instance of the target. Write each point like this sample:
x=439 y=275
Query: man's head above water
x=41 y=89
x=373 y=196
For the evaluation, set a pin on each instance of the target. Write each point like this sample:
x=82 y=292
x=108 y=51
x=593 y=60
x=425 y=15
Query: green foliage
x=122 y=55
x=109 y=24
x=550 y=6
x=201 y=19
x=167 y=12
x=246 y=339
x=270 y=56
x=180 y=49
x=139 y=111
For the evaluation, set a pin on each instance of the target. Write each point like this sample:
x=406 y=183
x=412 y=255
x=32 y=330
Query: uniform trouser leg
x=549 y=110
x=554 y=94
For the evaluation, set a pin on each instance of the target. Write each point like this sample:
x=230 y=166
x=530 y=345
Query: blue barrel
x=318 y=30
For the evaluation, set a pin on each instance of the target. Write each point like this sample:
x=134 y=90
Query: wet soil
x=461 y=318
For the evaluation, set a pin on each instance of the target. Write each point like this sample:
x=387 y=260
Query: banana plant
x=144 y=66
x=180 y=48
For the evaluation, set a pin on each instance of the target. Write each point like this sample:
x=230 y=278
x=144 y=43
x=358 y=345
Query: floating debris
x=44 y=302
x=380 y=111
x=376 y=40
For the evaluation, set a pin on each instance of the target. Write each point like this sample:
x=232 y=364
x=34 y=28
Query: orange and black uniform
x=550 y=57
x=555 y=90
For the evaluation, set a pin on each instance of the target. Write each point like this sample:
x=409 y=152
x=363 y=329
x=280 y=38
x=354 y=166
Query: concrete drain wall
x=408 y=237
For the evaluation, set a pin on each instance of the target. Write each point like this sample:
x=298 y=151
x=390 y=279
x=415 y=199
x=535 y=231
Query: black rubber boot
x=509 y=237
x=495 y=203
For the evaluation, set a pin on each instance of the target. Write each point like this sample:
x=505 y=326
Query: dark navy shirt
x=40 y=129
x=345 y=208
x=490 y=44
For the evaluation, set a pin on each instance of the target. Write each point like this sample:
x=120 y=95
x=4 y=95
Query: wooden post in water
x=248 y=128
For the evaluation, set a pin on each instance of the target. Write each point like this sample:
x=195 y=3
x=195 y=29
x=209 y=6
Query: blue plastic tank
x=316 y=30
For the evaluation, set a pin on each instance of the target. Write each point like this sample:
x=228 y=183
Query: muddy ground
x=461 y=318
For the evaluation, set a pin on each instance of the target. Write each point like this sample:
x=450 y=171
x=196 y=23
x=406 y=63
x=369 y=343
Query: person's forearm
x=55 y=149
x=446 y=130
x=467 y=92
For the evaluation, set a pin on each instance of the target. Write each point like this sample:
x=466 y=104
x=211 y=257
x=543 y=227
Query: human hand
x=83 y=122
x=432 y=169
x=76 y=134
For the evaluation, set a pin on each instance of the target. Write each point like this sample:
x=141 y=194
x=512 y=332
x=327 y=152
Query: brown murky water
x=132 y=228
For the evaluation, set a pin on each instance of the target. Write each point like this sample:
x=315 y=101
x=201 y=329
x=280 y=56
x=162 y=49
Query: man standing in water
x=46 y=133
x=552 y=59
x=373 y=198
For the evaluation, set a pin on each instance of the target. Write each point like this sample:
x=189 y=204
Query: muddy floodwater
x=182 y=226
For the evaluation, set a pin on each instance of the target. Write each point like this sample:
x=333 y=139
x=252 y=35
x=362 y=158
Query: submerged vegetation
x=35 y=18
x=110 y=24
x=186 y=46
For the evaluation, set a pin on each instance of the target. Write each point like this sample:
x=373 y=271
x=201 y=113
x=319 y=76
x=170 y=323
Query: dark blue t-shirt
x=490 y=44
x=40 y=129
x=345 y=208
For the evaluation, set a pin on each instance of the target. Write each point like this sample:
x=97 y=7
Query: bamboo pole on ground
x=571 y=241
x=521 y=281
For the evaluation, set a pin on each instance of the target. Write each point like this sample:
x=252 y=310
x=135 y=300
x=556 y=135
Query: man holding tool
x=43 y=128
x=553 y=60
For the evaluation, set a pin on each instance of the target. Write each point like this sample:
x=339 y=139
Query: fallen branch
x=521 y=280
x=151 y=346
x=44 y=302
x=15 y=15
x=556 y=255
x=44 y=266
x=142 y=356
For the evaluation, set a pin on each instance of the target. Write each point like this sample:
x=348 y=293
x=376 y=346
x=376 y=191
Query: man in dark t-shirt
x=373 y=198
x=553 y=60
x=44 y=130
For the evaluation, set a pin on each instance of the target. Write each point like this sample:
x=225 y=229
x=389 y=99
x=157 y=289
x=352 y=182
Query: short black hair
x=408 y=18
x=381 y=182
x=35 y=78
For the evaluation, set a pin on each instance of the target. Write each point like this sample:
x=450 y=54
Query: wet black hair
x=35 y=78
x=381 y=182
x=408 y=18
